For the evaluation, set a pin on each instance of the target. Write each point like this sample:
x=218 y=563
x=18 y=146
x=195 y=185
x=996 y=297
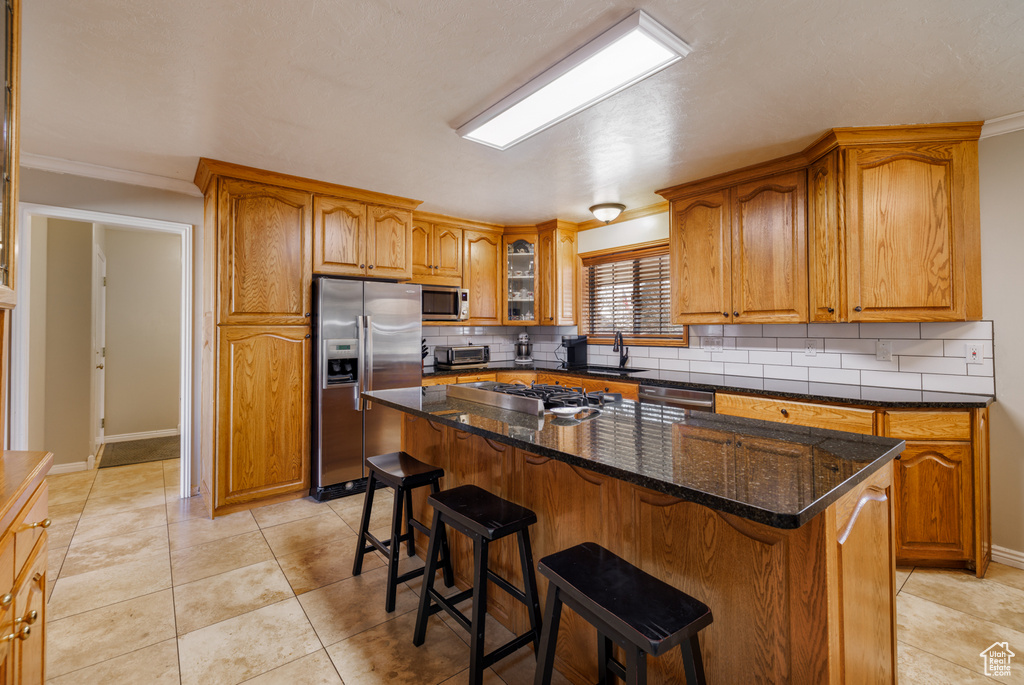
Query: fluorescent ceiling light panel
x=627 y=53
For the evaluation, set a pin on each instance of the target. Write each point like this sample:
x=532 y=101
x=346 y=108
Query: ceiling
x=367 y=93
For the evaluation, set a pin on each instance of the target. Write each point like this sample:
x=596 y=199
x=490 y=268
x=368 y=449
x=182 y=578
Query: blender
x=524 y=350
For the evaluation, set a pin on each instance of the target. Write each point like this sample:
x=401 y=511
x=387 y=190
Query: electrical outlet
x=883 y=350
x=810 y=348
x=711 y=344
x=974 y=354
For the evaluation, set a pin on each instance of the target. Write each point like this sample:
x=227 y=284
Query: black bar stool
x=640 y=613
x=403 y=474
x=484 y=518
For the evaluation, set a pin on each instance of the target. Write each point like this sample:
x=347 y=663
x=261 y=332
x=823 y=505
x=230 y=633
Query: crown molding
x=105 y=173
x=1004 y=124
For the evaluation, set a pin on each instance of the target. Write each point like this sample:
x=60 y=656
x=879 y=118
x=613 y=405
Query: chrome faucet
x=621 y=348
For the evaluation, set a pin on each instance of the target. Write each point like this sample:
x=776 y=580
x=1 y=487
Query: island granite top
x=862 y=395
x=772 y=473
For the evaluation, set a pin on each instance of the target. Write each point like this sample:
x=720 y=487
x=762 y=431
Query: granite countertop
x=865 y=396
x=771 y=473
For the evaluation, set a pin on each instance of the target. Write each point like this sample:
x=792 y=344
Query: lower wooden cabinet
x=828 y=416
x=262 y=414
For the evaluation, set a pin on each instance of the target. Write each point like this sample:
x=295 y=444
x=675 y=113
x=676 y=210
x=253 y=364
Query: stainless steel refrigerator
x=367 y=338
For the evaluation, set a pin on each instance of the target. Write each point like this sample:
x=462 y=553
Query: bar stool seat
x=403 y=473
x=639 y=612
x=484 y=518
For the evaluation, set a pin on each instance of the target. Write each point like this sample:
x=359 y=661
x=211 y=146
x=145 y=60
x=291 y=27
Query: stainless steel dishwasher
x=698 y=400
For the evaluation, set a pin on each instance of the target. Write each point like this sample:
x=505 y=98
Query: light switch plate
x=883 y=351
x=974 y=353
x=810 y=348
x=711 y=344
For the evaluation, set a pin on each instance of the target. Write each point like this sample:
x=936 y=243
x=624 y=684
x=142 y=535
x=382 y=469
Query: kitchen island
x=784 y=531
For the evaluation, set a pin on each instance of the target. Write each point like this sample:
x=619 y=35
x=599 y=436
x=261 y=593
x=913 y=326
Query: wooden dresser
x=23 y=548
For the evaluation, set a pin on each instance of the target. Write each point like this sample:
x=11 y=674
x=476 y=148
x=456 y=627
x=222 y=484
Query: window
x=629 y=292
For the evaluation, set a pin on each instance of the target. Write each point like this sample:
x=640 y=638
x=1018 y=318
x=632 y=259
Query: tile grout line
x=965 y=613
x=174 y=604
x=942 y=658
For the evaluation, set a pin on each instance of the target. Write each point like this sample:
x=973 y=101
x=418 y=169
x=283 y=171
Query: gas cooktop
x=532 y=399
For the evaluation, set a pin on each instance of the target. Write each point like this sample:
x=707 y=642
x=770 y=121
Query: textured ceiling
x=367 y=92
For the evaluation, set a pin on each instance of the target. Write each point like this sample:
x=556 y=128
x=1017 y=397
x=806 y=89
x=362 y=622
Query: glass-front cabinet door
x=520 y=279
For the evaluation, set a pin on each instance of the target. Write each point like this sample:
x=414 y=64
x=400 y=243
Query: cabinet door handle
x=20 y=635
x=307 y=313
x=307 y=335
x=725 y=314
x=6 y=600
x=784 y=412
x=736 y=315
x=45 y=523
x=830 y=310
x=370 y=267
x=362 y=266
x=857 y=308
x=28 y=619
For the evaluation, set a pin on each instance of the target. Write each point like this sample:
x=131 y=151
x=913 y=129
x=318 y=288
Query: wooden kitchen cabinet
x=482 y=276
x=436 y=253
x=353 y=238
x=739 y=254
x=264 y=234
x=911 y=211
x=828 y=416
x=824 y=264
x=521 y=279
x=942 y=488
x=557 y=274
x=30 y=621
x=262 y=413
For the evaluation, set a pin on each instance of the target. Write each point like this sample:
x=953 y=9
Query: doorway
x=130 y=229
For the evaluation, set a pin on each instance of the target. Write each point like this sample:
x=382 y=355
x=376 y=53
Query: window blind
x=630 y=295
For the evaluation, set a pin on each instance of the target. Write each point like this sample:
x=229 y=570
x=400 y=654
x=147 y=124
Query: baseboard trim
x=58 y=469
x=1009 y=557
x=145 y=435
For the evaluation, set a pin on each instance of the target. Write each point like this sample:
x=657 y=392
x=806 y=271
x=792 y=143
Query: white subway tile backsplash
x=850 y=345
x=792 y=330
x=829 y=360
x=777 y=358
x=707 y=367
x=958 y=348
x=737 y=356
x=705 y=330
x=850 y=392
x=748 y=382
x=664 y=352
x=708 y=378
x=735 y=369
x=889 y=379
x=950 y=365
x=694 y=353
x=789 y=373
x=741 y=331
x=642 y=363
x=884 y=331
x=756 y=343
x=918 y=348
x=837 y=376
x=799 y=345
x=865 y=361
x=833 y=330
x=985 y=368
x=677 y=376
x=971 y=384
x=674 y=365
x=963 y=330
x=772 y=384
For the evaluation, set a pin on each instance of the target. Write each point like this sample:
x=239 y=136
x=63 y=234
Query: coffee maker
x=575 y=350
x=524 y=349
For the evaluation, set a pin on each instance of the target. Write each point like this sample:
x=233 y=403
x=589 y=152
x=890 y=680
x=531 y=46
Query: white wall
x=65 y=190
x=143 y=330
x=1002 y=251
x=642 y=230
x=37 y=331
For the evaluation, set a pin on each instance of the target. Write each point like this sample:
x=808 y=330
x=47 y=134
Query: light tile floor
x=145 y=589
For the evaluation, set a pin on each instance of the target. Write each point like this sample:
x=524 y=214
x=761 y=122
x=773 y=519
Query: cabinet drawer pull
x=362 y=266
x=20 y=635
x=29 y=619
x=784 y=412
x=45 y=523
x=370 y=267
x=6 y=600
x=830 y=310
x=725 y=314
x=857 y=308
x=736 y=314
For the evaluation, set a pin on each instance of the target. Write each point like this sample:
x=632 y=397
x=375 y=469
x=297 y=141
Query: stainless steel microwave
x=445 y=303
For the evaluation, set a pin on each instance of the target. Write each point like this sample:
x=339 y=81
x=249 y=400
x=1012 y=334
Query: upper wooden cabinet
x=739 y=254
x=557 y=274
x=521 y=279
x=892 y=232
x=482 y=276
x=907 y=212
x=436 y=253
x=355 y=239
x=264 y=259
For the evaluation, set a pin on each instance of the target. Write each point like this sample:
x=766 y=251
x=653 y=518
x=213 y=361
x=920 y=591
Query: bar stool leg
x=636 y=666
x=604 y=653
x=411 y=544
x=436 y=531
x=548 y=638
x=476 y=640
x=530 y=586
x=364 y=525
x=446 y=564
x=393 y=549
x=692 y=661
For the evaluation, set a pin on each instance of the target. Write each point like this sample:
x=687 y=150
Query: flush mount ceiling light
x=607 y=211
x=627 y=53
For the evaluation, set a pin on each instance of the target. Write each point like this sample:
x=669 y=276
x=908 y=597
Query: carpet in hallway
x=139 y=451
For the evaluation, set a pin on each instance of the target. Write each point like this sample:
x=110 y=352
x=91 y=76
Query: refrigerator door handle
x=369 y=357
x=360 y=370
